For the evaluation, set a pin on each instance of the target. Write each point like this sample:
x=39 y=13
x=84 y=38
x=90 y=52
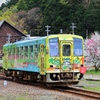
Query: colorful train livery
x=53 y=59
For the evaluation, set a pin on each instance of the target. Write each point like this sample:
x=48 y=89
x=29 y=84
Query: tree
x=32 y=3
x=59 y=14
x=21 y=5
x=2 y=6
x=6 y=15
x=91 y=16
x=20 y=19
x=92 y=48
x=33 y=21
x=9 y=3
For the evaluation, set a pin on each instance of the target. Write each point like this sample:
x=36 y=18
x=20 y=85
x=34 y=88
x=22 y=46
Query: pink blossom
x=92 y=47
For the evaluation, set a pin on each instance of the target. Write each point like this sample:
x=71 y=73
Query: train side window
x=12 y=53
x=66 y=50
x=22 y=52
x=9 y=52
x=31 y=54
x=26 y=51
x=17 y=52
x=35 y=47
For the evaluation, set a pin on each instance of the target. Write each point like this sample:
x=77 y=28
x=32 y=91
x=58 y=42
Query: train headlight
x=54 y=66
x=54 y=75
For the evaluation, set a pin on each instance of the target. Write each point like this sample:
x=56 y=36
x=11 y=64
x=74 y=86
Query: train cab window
x=78 y=47
x=53 y=47
x=66 y=50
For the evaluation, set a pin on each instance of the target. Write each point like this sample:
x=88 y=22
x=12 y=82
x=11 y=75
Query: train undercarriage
x=50 y=79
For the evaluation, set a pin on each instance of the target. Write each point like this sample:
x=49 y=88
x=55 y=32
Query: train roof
x=25 y=40
x=40 y=38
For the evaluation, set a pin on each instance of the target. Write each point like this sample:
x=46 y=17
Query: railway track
x=90 y=95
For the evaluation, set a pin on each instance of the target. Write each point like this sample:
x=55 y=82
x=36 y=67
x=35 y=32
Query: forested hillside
x=31 y=16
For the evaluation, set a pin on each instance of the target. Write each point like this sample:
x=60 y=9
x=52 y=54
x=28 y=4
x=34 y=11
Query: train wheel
x=14 y=78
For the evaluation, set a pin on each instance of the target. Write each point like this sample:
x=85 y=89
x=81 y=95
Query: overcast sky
x=2 y=1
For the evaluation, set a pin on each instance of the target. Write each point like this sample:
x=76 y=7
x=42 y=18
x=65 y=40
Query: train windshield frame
x=54 y=47
x=78 y=47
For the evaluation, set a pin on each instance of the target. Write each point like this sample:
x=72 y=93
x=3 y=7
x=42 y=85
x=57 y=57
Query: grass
x=93 y=82
x=91 y=85
x=19 y=98
x=23 y=99
x=96 y=89
x=94 y=85
x=92 y=71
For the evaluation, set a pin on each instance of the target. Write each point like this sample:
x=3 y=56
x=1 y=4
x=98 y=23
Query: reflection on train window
x=31 y=51
x=78 y=49
x=66 y=50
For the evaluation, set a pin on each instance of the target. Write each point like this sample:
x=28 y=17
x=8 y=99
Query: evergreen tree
x=21 y=5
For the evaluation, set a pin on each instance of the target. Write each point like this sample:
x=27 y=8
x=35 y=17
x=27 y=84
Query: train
x=54 y=60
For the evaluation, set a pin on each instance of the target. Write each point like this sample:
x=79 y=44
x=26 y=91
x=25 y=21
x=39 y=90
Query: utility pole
x=47 y=29
x=86 y=33
x=61 y=31
x=73 y=27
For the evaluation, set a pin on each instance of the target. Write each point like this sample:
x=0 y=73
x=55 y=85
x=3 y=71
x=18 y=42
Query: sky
x=2 y=1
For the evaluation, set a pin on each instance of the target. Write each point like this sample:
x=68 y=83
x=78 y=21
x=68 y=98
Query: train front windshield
x=66 y=49
x=54 y=47
x=78 y=49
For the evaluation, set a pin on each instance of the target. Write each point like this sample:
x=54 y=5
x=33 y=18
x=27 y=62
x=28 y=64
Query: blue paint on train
x=30 y=68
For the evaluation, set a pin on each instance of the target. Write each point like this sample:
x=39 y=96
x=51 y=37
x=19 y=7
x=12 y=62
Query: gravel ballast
x=17 y=91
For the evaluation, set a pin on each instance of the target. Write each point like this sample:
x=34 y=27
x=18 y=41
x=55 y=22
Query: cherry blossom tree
x=92 y=49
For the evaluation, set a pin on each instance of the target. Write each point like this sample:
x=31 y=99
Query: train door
x=66 y=55
x=42 y=59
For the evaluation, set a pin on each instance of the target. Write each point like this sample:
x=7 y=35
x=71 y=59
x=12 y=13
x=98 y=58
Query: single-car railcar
x=54 y=59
